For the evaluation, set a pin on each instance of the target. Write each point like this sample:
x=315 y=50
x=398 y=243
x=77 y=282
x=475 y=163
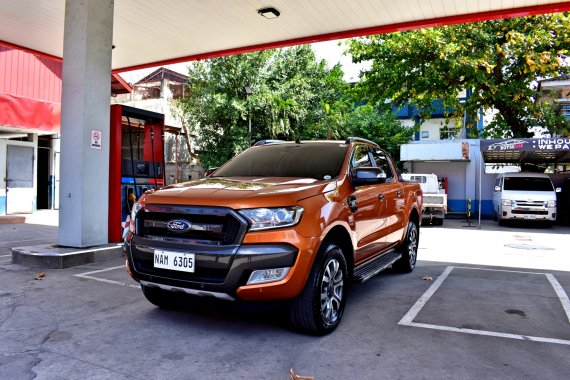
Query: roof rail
x=351 y=140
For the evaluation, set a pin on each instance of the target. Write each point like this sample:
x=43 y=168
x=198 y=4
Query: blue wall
x=2 y=205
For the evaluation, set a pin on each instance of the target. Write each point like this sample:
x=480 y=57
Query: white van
x=524 y=196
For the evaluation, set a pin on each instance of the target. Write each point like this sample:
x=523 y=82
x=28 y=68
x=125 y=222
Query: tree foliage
x=500 y=60
x=290 y=89
x=382 y=128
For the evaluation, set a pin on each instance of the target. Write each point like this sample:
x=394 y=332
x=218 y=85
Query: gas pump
x=136 y=161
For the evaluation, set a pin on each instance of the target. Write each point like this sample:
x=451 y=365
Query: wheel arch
x=415 y=217
x=340 y=236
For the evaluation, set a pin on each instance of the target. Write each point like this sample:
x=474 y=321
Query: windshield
x=528 y=184
x=318 y=160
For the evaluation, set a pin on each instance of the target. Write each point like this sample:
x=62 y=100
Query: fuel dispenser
x=136 y=161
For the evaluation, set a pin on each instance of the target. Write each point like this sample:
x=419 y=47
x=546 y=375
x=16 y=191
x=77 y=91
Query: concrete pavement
x=460 y=318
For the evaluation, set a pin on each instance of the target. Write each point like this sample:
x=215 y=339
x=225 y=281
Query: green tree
x=500 y=60
x=290 y=89
x=382 y=128
x=216 y=111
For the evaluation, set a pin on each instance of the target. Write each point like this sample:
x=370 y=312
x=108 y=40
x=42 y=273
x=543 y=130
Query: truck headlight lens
x=268 y=218
x=507 y=202
x=550 y=204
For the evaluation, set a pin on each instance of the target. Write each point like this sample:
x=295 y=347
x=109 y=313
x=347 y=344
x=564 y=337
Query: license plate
x=530 y=217
x=180 y=261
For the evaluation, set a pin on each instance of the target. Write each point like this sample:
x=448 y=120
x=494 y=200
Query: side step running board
x=371 y=268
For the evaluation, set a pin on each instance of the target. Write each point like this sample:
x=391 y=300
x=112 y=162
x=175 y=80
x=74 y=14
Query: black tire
x=161 y=298
x=408 y=249
x=438 y=222
x=319 y=308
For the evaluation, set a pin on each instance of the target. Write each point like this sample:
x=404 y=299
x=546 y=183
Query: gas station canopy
x=150 y=33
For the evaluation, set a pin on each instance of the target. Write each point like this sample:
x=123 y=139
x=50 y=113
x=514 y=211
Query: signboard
x=95 y=139
x=542 y=144
x=520 y=150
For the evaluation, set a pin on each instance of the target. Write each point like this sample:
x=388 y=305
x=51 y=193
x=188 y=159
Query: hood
x=240 y=192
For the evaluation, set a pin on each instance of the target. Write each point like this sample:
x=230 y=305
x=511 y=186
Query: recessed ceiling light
x=269 y=12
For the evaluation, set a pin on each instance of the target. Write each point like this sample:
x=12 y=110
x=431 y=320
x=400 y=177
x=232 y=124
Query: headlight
x=136 y=208
x=550 y=204
x=268 y=218
x=506 y=202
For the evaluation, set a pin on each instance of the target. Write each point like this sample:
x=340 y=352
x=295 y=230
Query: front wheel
x=409 y=249
x=320 y=306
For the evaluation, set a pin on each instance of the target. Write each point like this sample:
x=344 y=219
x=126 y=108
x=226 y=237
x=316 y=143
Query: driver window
x=360 y=158
x=382 y=161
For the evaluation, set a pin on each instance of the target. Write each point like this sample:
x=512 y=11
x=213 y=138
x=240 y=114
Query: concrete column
x=84 y=181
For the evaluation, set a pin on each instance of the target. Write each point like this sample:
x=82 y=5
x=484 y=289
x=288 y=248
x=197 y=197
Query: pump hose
x=152 y=149
x=132 y=164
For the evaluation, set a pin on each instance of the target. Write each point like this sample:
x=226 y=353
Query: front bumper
x=223 y=271
x=528 y=213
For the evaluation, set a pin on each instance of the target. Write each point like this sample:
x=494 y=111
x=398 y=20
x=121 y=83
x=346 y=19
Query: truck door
x=393 y=198
x=368 y=207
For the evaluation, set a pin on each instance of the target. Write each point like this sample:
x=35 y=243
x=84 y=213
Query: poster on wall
x=95 y=139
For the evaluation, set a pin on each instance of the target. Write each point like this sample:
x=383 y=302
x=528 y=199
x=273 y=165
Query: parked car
x=524 y=196
x=291 y=221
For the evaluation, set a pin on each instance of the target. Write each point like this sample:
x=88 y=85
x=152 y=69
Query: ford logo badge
x=179 y=225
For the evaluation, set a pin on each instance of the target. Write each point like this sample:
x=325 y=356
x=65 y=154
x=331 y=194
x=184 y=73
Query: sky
x=327 y=50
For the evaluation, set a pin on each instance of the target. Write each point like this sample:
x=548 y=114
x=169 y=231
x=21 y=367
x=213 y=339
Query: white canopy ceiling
x=149 y=33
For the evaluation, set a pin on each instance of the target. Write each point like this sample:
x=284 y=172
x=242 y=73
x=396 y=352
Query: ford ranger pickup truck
x=296 y=221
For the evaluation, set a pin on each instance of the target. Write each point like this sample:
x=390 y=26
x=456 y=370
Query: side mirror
x=368 y=176
x=558 y=190
x=497 y=188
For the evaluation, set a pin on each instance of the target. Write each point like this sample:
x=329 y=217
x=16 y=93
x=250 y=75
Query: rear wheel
x=409 y=249
x=318 y=310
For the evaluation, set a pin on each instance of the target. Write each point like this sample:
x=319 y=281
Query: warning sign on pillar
x=95 y=139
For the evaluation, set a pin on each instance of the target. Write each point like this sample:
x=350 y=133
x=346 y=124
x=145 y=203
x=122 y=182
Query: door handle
x=381 y=197
x=399 y=192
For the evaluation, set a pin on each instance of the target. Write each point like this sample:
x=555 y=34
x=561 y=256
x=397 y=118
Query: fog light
x=267 y=275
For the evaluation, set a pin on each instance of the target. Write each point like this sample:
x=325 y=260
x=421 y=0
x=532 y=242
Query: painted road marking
x=88 y=276
x=562 y=296
x=408 y=319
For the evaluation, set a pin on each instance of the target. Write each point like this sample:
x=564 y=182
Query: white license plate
x=179 y=261
x=530 y=217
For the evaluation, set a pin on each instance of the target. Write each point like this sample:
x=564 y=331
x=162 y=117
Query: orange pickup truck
x=296 y=221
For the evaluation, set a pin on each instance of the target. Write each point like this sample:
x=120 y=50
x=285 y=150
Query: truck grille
x=208 y=226
x=530 y=204
x=529 y=212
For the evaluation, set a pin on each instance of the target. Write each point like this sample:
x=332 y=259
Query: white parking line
x=88 y=275
x=562 y=296
x=5 y=255
x=408 y=319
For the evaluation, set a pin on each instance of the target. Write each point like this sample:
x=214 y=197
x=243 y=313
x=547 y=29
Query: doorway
x=19 y=179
